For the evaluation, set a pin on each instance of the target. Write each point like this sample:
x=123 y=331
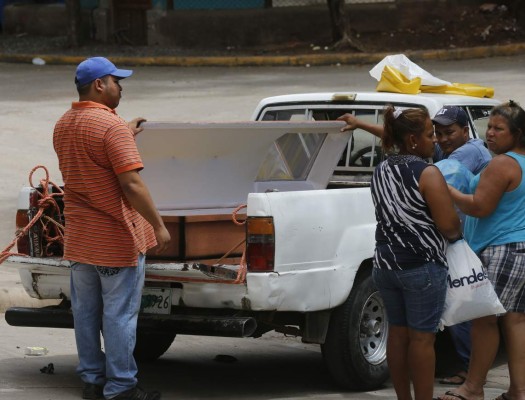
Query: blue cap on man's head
x=449 y=115
x=97 y=67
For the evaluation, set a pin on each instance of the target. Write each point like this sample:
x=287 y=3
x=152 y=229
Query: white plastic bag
x=409 y=69
x=470 y=293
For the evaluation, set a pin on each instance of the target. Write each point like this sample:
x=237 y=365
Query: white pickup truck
x=300 y=265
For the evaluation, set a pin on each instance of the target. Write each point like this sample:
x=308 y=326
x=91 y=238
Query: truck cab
x=363 y=151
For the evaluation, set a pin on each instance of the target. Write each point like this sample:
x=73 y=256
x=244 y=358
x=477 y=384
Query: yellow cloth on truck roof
x=467 y=89
x=392 y=80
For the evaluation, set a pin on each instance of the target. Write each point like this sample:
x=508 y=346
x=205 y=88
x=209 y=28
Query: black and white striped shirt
x=406 y=235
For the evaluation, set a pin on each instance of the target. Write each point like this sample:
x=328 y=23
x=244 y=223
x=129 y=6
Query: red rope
x=45 y=202
x=234 y=215
x=241 y=274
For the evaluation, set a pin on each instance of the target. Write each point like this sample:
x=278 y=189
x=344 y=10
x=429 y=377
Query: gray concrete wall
x=41 y=19
x=240 y=28
x=35 y=19
x=223 y=28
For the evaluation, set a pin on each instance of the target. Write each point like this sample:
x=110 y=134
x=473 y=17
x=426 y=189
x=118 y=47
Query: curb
x=285 y=60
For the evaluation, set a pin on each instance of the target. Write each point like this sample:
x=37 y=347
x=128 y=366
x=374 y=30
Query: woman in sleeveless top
x=415 y=219
x=496 y=231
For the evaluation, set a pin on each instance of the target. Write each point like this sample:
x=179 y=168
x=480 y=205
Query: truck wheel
x=151 y=345
x=355 y=347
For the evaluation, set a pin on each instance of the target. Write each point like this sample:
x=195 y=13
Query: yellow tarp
x=392 y=80
x=467 y=89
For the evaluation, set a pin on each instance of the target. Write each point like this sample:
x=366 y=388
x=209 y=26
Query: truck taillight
x=260 y=244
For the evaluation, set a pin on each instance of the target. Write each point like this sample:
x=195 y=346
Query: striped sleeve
x=121 y=149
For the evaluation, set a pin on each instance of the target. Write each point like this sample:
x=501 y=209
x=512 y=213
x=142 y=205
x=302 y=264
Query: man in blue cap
x=452 y=134
x=111 y=223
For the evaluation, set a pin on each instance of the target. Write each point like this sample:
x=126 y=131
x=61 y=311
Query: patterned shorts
x=505 y=266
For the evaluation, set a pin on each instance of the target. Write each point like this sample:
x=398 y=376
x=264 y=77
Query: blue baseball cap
x=449 y=115
x=97 y=67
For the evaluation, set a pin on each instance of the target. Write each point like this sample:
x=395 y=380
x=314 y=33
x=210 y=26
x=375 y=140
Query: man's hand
x=135 y=125
x=351 y=122
x=139 y=197
x=163 y=238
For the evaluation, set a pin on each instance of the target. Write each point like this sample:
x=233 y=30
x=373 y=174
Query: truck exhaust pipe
x=202 y=325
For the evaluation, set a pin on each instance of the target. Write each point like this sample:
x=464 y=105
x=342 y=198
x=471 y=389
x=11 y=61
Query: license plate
x=156 y=300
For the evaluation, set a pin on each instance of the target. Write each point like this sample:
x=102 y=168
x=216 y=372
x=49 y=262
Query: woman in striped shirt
x=415 y=218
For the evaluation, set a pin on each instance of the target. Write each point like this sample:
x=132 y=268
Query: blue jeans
x=108 y=300
x=413 y=297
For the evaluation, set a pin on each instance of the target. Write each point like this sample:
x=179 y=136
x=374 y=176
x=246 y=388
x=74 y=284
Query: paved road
x=271 y=367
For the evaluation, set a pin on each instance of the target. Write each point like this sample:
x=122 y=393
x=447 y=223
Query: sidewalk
x=276 y=60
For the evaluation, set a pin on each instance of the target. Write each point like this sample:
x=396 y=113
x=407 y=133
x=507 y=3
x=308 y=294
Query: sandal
x=455 y=379
x=503 y=396
x=452 y=394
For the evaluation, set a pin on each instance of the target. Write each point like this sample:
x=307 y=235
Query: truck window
x=479 y=115
x=285 y=114
x=363 y=151
x=290 y=157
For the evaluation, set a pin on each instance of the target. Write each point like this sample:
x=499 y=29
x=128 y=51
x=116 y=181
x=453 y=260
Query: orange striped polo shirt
x=94 y=145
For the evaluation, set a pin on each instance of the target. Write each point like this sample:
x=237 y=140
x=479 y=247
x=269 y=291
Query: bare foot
x=457 y=379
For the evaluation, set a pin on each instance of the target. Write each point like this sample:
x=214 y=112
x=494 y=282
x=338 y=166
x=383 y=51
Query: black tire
x=151 y=345
x=355 y=347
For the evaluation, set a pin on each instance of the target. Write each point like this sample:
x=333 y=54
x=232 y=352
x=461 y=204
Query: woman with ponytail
x=415 y=219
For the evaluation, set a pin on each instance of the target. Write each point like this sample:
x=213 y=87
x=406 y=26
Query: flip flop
x=455 y=379
x=452 y=394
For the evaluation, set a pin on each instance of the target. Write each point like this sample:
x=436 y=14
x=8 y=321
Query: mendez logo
x=467 y=280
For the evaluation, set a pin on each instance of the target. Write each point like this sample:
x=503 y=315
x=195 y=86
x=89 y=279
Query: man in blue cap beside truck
x=111 y=223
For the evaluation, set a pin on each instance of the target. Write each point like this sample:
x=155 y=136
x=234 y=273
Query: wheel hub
x=372 y=327
x=374 y=330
